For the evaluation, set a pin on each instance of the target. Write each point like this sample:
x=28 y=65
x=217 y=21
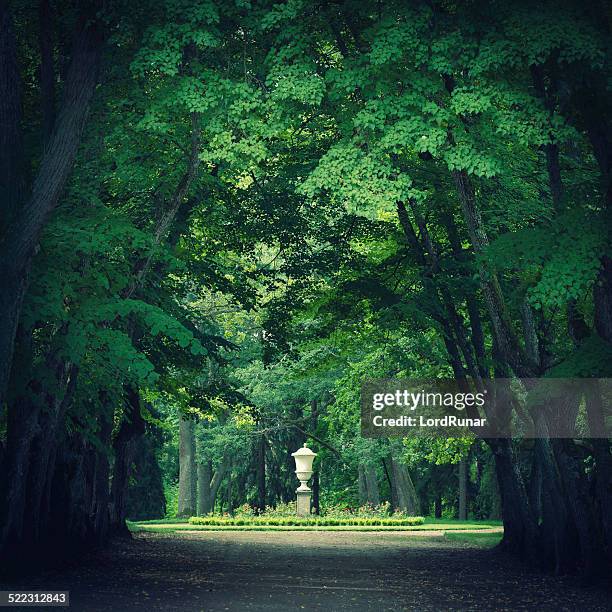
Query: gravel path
x=284 y=571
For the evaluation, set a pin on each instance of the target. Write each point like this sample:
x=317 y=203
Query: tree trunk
x=230 y=492
x=603 y=462
x=43 y=449
x=557 y=528
x=261 y=473
x=186 y=498
x=208 y=484
x=438 y=506
x=371 y=482
x=314 y=423
x=217 y=479
x=21 y=237
x=505 y=337
x=132 y=427
x=387 y=466
x=21 y=429
x=463 y=481
x=520 y=529
x=47 y=72
x=405 y=493
x=11 y=141
x=100 y=497
x=205 y=501
x=585 y=520
x=602 y=297
x=361 y=483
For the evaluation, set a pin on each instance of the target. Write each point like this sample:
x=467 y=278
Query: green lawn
x=463 y=524
x=483 y=540
x=443 y=525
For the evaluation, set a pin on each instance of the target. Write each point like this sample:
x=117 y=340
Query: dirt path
x=284 y=571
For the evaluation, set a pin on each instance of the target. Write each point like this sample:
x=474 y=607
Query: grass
x=482 y=540
x=163 y=521
x=430 y=524
x=176 y=529
x=456 y=524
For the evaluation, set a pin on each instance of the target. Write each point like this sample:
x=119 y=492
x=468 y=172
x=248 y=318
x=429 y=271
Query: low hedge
x=305 y=521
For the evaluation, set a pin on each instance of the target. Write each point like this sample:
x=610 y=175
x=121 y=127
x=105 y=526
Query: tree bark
x=11 y=141
x=520 y=529
x=205 y=501
x=592 y=549
x=405 y=493
x=217 y=479
x=261 y=473
x=209 y=483
x=438 y=506
x=100 y=498
x=361 y=483
x=371 y=481
x=314 y=423
x=21 y=429
x=47 y=72
x=507 y=342
x=21 y=238
x=603 y=463
x=463 y=481
x=187 y=461
x=230 y=492
x=132 y=427
x=44 y=447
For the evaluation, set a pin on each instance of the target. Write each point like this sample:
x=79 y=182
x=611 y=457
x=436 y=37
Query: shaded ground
x=284 y=571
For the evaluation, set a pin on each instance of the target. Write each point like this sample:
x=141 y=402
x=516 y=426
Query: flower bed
x=334 y=516
x=322 y=521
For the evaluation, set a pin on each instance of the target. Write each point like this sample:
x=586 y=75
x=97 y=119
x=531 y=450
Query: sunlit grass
x=486 y=539
x=441 y=525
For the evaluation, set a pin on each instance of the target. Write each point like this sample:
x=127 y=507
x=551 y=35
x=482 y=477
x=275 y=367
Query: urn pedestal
x=303 y=463
x=303 y=502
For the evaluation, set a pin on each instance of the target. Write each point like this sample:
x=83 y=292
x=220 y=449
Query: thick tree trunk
x=47 y=72
x=187 y=462
x=43 y=451
x=132 y=427
x=603 y=463
x=79 y=496
x=11 y=141
x=584 y=517
x=535 y=490
x=100 y=497
x=602 y=297
x=557 y=527
x=520 y=528
x=21 y=428
x=21 y=238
